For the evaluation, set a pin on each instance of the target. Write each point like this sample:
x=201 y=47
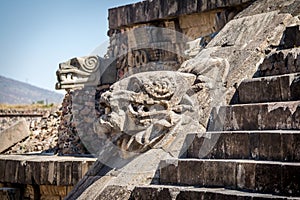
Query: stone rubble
x=43 y=137
x=68 y=138
x=11 y=116
x=6 y=122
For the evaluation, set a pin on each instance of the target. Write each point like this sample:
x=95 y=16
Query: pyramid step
x=256 y=176
x=259 y=116
x=260 y=145
x=269 y=89
x=157 y=192
x=281 y=62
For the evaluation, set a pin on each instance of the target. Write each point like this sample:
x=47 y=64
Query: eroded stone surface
x=281 y=62
x=230 y=57
x=234 y=54
x=13 y=135
x=149 y=110
x=255 y=176
x=260 y=145
x=84 y=71
x=154 y=10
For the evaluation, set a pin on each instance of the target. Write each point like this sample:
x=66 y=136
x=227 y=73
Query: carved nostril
x=135 y=108
x=145 y=109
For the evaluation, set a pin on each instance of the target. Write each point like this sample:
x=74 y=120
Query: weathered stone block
x=223 y=196
x=295 y=117
x=276 y=145
x=237 y=145
x=281 y=62
x=76 y=172
x=220 y=119
x=47 y=173
x=183 y=195
x=268 y=178
x=216 y=143
x=64 y=173
x=219 y=174
x=207 y=146
x=13 y=135
x=117 y=192
x=269 y=147
x=254 y=145
x=245 y=176
x=290 y=181
x=285 y=88
x=194 y=147
x=21 y=171
x=296 y=147
x=146 y=11
x=276 y=117
x=52 y=174
x=287 y=147
x=269 y=89
x=151 y=193
x=2 y=170
x=266 y=116
x=11 y=174
x=246 y=117
x=168 y=171
x=53 y=190
x=35 y=172
x=191 y=172
x=211 y=195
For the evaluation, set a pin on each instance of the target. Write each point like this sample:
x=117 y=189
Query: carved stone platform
x=40 y=176
x=251 y=157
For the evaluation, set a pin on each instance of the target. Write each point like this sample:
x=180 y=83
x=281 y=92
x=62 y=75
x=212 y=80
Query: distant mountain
x=16 y=92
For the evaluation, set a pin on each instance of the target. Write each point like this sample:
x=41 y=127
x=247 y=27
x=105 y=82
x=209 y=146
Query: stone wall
x=147 y=36
x=166 y=27
x=147 y=11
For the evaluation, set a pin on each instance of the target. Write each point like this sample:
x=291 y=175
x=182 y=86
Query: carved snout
x=58 y=86
x=78 y=72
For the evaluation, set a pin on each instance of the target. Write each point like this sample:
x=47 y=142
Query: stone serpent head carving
x=148 y=110
x=78 y=72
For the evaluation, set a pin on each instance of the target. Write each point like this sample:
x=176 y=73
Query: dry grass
x=25 y=106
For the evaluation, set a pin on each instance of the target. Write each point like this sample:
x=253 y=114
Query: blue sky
x=36 y=35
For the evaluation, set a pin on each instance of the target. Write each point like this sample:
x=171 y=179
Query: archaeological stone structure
x=194 y=99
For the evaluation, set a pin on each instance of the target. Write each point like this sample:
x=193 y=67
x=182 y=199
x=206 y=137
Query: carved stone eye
x=74 y=62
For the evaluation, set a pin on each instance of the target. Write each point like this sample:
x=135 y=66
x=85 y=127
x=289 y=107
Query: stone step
x=256 y=176
x=280 y=62
x=158 y=192
x=43 y=170
x=259 y=116
x=269 y=89
x=259 y=145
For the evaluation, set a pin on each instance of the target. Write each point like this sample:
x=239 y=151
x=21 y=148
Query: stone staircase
x=251 y=149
